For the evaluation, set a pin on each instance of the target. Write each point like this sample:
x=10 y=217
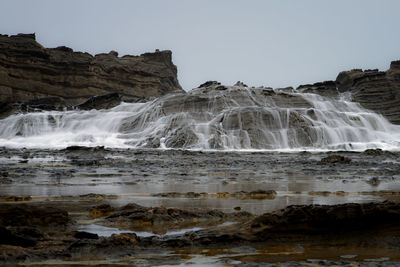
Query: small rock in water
x=262 y=194
x=348 y=256
x=85 y=235
x=336 y=159
x=374 y=181
x=377 y=151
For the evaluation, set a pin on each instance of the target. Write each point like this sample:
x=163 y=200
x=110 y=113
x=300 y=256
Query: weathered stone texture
x=28 y=71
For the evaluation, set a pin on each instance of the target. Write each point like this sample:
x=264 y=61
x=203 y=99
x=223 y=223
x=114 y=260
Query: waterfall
x=232 y=118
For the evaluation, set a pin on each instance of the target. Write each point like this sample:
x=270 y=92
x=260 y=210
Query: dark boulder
x=327 y=88
x=336 y=159
x=209 y=83
x=327 y=219
x=20 y=236
x=101 y=102
x=85 y=235
x=29 y=215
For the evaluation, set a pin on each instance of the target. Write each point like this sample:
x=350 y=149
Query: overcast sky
x=271 y=43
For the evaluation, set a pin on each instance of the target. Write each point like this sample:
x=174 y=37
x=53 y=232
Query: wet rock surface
x=160 y=219
x=152 y=207
x=327 y=219
x=336 y=159
x=101 y=102
x=236 y=117
x=373 y=89
x=24 y=215
x=209 y=117
x=257 y=194
x=301 y=231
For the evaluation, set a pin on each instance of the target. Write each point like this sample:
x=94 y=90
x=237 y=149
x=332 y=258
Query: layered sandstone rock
x=30 y=72
x=376 y=90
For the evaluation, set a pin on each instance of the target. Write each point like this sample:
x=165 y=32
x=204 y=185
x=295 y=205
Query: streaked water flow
x=233 y=119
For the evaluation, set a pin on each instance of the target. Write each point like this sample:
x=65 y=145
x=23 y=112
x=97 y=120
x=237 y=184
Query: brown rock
x=327 y=88
x=101 y=102
x=101 y=211
x=29 y=71
x=28 y=215
x=375 y=90
x=324 y=218
x=85 y=235
x=160 y=219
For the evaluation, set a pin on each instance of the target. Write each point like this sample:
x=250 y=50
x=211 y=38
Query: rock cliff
x=30 y=72
x=373 y=89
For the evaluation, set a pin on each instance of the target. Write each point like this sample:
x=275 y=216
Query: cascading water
x=223 y=118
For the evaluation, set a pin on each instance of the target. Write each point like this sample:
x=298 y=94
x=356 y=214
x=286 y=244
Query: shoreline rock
x=30 y=73
x=360 y=225
x=376 y=90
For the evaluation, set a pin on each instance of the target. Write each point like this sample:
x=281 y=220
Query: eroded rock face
x=375 y=90
x=28 y=72
x=327 y=88
x=101 y=102
x=235 y=117
x=239 y=117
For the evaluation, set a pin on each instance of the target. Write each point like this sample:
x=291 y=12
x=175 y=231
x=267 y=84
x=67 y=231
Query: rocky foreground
x=42 y=232
x=149 y=207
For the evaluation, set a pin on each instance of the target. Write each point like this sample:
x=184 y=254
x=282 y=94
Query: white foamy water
x=234 y=119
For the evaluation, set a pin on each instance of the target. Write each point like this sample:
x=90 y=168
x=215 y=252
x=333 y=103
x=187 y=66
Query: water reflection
x=297 y=178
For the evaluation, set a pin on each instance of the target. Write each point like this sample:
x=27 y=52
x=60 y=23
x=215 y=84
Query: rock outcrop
x=369 y=224
x=29 y=72
x=327 y=88
x=101 y=102
x=373 y=89
x=160 y=219
x=230 y=116
x=359 y=226
x=28 y=215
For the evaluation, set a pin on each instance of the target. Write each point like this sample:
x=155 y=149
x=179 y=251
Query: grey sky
x=272 y=43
